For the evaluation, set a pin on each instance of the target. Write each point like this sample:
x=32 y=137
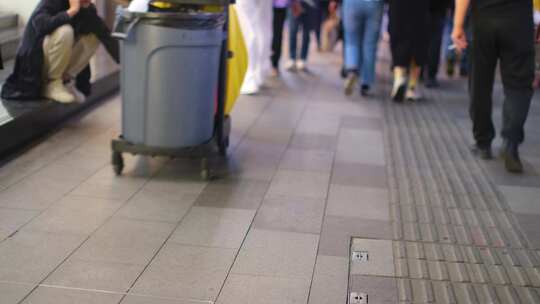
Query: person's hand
x=332 y=7
x=74 y=7
x=459 y=38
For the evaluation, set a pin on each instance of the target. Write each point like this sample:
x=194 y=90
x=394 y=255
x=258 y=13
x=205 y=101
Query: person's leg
x=352 y=26
x=277 y=38
x=57 y=54
x=83 y=50
x=450 y=54
x=293 y=33
x=517 y=71
x=434 y=56
x=373 y=18
x=307 y=25
x=484 y=50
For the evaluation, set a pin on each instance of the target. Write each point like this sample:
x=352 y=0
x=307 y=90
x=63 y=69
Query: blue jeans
x=362 y=24
x=306 y=20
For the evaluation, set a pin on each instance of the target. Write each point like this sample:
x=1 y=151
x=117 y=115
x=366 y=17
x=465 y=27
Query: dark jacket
x=440 y=6
x=26 y=80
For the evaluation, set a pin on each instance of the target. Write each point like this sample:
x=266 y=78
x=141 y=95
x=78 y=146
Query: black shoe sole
x=400 y=94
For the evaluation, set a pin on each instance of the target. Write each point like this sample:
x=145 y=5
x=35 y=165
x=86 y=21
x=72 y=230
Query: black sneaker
x=364 y=90
x=512 y=161
x=484 y=152
x=399 y=89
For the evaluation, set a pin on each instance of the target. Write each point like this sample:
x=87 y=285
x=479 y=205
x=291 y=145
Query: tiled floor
x=311 y=176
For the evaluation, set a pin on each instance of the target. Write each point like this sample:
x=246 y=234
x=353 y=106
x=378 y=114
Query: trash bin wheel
x=223 y=146
x=118 y=163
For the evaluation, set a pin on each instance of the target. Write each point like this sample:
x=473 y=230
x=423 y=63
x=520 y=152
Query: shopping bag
x=238 y=64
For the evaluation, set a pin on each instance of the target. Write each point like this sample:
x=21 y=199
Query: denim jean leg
x=293 y=32
x=307 y=21
x=373 y=18
x=353 y=34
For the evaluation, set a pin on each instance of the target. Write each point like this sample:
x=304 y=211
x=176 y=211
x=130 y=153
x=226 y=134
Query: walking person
x=438 y=11
x=303 y=14
x=409 y=42
x=503 y=31
x=280 y=9
x=362 y=25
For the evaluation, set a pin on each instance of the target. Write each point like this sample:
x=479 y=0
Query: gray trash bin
x=169 y=77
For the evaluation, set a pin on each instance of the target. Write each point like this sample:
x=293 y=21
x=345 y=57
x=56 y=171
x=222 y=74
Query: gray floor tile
x=103 y=276
x=275 y=253
x=74 y=215
x=300 y=184
x=351 y=174
x=522 y=199
x=311 y=141
x=247 y=289
x=106 y=185
x=51 y=295
x=12 y=219
x=330 y=280
x=34 y=193
x=147 y=206
x=291 y=214
x=28 y=257
x=273 y=135
x=174 y=188
x=302 y=160
x=186 y=272
x=530 y=225
x=233 y=193
x=125 y=241
x=337 y=232
x=319 y=123
x=13 y=293
x=361 y=202
x=379 y=290
x=381 y=257
x=359 y=146
x=362 y=123
x=139 y=299
x=214 y=227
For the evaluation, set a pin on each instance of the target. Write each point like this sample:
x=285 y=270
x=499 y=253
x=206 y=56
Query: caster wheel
x=223 y=146
x=118 y=163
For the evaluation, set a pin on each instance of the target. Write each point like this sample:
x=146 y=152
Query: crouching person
x=58 y=42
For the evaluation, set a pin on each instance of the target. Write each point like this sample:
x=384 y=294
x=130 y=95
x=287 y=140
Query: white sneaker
x=301 y=65
x=412 y=95
x=79 y=97
x=291 y=65
x=55 y=90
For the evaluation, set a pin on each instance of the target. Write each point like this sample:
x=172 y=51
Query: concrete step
x=9 y=42
x=8 y=21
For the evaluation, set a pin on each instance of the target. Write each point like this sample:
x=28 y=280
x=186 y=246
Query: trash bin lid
x=183 y=20
x=202 y=2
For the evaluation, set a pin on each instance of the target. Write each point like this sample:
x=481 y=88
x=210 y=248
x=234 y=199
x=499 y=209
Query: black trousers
x=509 y=40
x=280 y=15
x=436 y=27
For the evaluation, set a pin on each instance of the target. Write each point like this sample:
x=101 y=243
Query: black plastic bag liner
x=187 y=21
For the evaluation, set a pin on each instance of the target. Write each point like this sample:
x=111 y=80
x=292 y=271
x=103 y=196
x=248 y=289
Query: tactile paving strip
x=455 y=239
